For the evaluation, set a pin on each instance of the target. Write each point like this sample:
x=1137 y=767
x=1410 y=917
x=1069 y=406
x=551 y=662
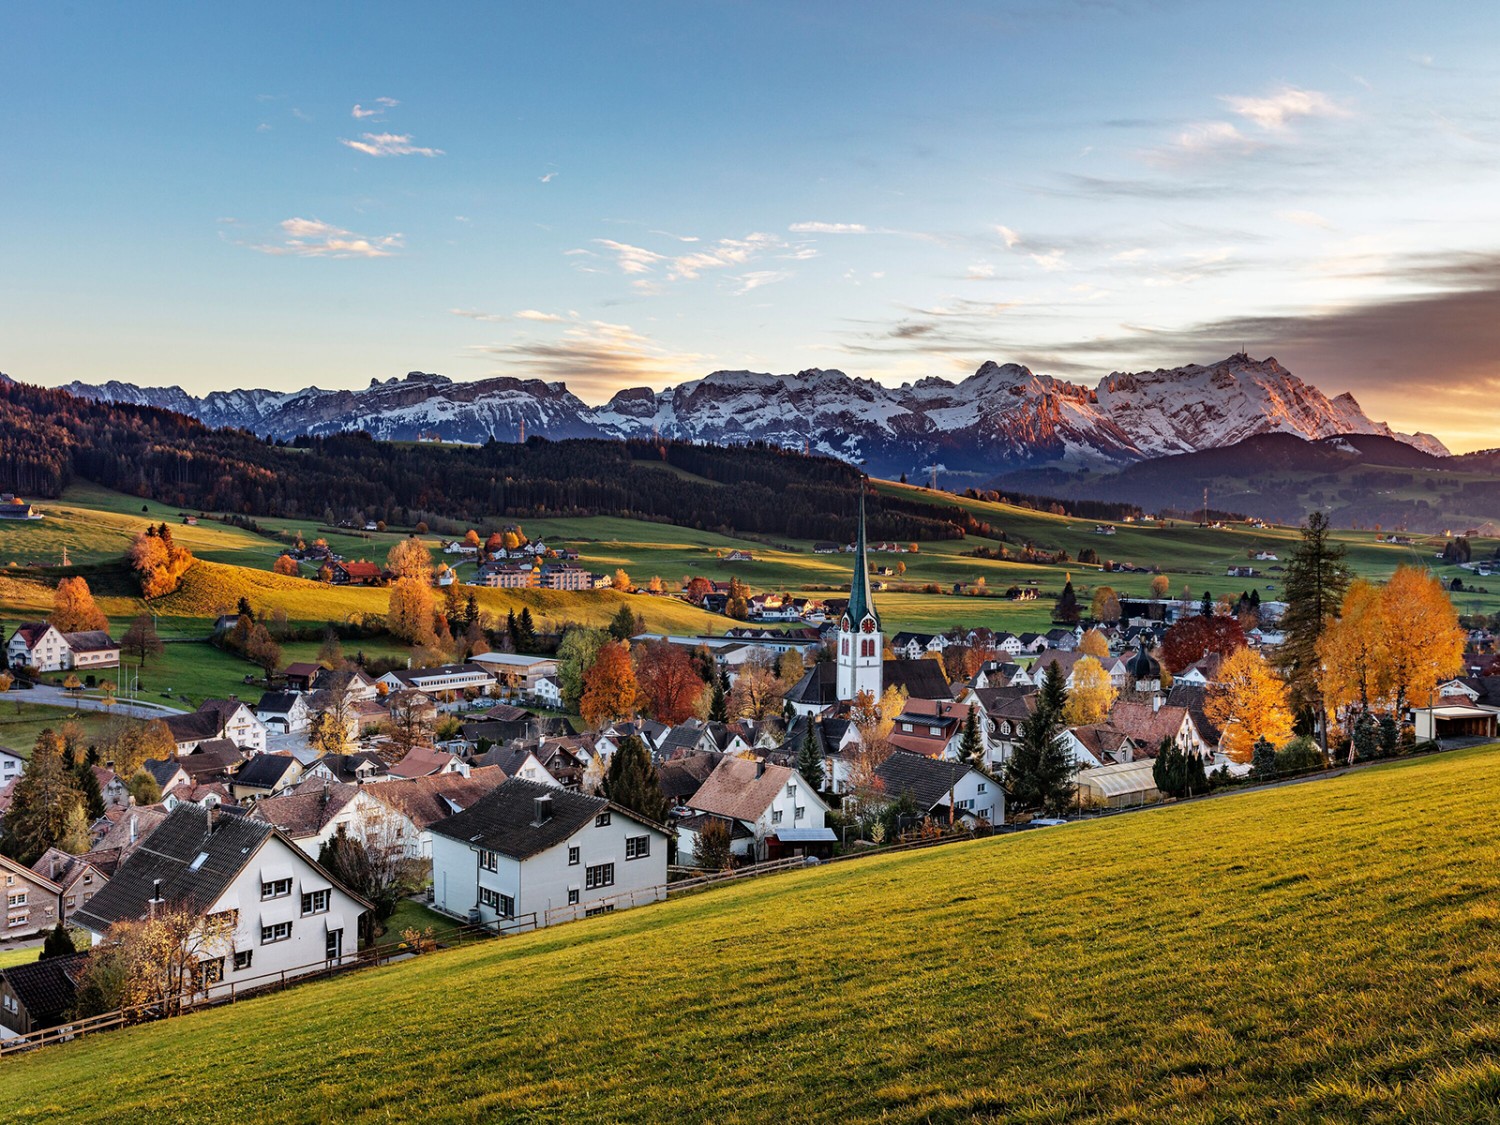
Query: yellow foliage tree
x=1247 y=704
x=410 y=558
x=1091 y=696
x=1093 y=644
x=73 y=608
x=409 y=614
x=622 y=581
x=1159 y=586
x=1425 y=642
x=1353 y=655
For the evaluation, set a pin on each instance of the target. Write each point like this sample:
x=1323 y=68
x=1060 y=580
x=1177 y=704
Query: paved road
x=52 y=696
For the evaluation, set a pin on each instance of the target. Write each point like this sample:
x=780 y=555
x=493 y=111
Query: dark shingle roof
x=922 y=679
x=47 y=988
x=265 y=771
x=169 y=855
x=818 y=686
x=306 y=811
x=277 y=702
x=684 y=776
x=928 y=780
x=505 y=819
x=195 y=725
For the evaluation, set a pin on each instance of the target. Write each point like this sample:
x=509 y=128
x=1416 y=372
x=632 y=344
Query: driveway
x=52 y=696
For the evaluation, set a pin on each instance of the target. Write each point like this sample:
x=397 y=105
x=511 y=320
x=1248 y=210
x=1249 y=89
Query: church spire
x=861 y=601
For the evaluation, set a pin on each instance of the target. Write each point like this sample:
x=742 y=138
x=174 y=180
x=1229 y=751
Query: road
x=51 y=696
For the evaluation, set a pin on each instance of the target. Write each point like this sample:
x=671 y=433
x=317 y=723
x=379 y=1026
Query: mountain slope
x=1313 y=953
x=1001 y=417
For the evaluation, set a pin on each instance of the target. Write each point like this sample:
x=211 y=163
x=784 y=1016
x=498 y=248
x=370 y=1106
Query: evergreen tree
x=525 y=631
x=622 y=626
x=632 y=782
x=1390 y=735
x=1053 y=695
x=1313 y=588
x=88 y=785
x=718 y=706
x=244 y=609
x=1039 y=774
x=971 y=746
x=1066 y=611
x=510 y=629
x=59 y=943
x=810 y=758
x=1364 y=744
x=1263 y=760
x=1206 y=607
x=471 y=611
x=1167 y=770
x=45 y=804
x=713 y=851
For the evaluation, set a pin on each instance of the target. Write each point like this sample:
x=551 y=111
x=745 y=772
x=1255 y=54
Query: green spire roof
x=861 y=602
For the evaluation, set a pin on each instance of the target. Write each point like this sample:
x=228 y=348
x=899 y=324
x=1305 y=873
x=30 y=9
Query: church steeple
x=861 y=647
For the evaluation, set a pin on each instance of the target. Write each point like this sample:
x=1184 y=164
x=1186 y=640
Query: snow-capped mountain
x=1002 y=417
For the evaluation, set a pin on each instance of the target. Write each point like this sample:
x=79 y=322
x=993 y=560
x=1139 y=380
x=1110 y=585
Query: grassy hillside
x=1313 y=953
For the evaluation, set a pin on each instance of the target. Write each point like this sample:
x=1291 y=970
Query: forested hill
x=51 y=438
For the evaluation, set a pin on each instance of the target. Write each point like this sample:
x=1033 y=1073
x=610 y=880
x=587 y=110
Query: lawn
x=1323 y=952
x=21 y=722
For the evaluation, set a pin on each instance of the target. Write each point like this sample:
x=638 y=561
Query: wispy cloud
x=475 y=314
x=596 y=358
x=313 y=238
x=631 y=259
x=650 y=268
x=1277 y=110
x=757 y=278
x=535 y=314
x=829 y=228
x=548 y=178
x=1009 y=236
x=1304 y=219
x=377 y=110
x=389 y=144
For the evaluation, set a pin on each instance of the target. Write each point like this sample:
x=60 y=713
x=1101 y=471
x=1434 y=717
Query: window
x=572 y=896
x=277 y=888
x=791 y=788
x=602 y=820
x=489 y=861
x=595 y=911
x=775 y=816
x=242 y=958
x=600 y=875
x=18 y=919
x=315 y=902
x=502 y=905
x=906 y=727
x=573 y=857
x=209 y=972
x=969 y=804
x=269 y=935
x=799 y=812
x=983 y=788
x=637 y=847
x=17 y=899
x=11 y=1005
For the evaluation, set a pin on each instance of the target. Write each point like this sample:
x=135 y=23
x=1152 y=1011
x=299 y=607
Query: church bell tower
x=861 y=644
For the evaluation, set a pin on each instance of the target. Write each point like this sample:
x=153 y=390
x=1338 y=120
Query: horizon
x=616 y=199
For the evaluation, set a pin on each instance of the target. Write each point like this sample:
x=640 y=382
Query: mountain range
x=1001 y=418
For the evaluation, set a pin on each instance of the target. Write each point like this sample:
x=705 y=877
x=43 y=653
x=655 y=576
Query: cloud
x=756 y=278
x=389 y=144
x=828 y=228
x=548 y=178
x=631 y=259
x=1208 y=136
x=475 y=314
x=1284 y=106
x=1051 y=261
x=533 y=314
x=1010 y=236
x=596 y=357
x=263 y=127
x=381 y=105
x=313 y=238
x=1304 y=219
x=650 y=268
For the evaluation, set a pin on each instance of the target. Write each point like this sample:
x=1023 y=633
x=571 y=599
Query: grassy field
x=21 y=722
x=1323 y=952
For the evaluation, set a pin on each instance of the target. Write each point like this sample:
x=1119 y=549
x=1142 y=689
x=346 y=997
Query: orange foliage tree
x=1247 y=704
x=609 y=687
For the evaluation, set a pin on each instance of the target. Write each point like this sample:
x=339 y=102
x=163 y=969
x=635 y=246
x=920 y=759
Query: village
x=515 y=790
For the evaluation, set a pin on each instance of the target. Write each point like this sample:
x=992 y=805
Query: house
x=921 y=679
x=12 y=765
x=682 y=777
x=33 y=902
x=1151 y=723
x=227 y=719
x=516 y=671
x=78 y=877
x=775 y=803
x=315 y=811
x=354 y=683
x=126 y=829
x=168 y=773
x=564 y=576
x=425 y=761
x=932 y=727
x=516 y=760
x=528 y=855
x=300 y=675
x=12 y=507
x=1099 y=744
x=352 y=573
x=264 y=776
x=284 y=712
x=945 y=791
x=739 y=556
x=911 y=645
x=284 y=915
x=359 y=768
x=1002 y=711
x=446 y=678
x=420 y=802
x=39 y=645
x=39 y=994
x=548 y=693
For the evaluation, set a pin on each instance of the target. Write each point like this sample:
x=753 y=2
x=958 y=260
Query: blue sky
x=616 y=195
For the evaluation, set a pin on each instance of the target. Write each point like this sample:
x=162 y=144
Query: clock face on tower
x=867 y=625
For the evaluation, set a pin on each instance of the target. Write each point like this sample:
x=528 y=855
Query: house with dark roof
x=78 y=878
x=265 y=775
x=276 y=911
x=784 y=814
x=283 y=712
x=217 y=719
x=920 y=679
x=529 y=855
x=314 y=812
x=33 y=902
x=421 y=802
x=39 y=645
x=39 y=994
x=359 y=768
x=682 y=777
x=946 y=791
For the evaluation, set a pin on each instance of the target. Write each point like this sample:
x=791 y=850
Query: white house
x=11 y=765
x=39 y=645
x=276 y=910
x=775 y=803
x=284 y=712
x=316 y=811
x=528 y=855
x=945 y=791
x=218 y=718
x=457 y=678
x=548 y=692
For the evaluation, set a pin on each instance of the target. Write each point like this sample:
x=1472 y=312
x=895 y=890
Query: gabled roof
x=47 y=988
x=216 y=756
x=62 y=868
x=302 y=670
x=1149 y=727
x=266 y=771
x=818 y=686
x=164 y=770
x=277 y=702
x=90 y=640
x=8 y=864
x=426 y=800
x=742 y=789
x=421 y=761
x=683 y=777
x=505 y=819
x=348 y=767
x=928 y=780
x=31 y=632
x=195 y=726
x=306 y=810
x=922 y=679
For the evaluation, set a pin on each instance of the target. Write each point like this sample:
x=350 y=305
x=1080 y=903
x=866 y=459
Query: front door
x=335 y=945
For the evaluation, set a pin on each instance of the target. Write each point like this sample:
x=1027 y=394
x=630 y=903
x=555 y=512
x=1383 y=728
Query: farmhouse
x=530 y=855
x=78 y=878
x=227 y=719
x=946 y=791
x=37 y=644
x=352 y=573
x=782 y=813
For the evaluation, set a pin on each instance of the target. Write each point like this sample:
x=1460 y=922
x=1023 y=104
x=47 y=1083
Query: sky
x=284 y=195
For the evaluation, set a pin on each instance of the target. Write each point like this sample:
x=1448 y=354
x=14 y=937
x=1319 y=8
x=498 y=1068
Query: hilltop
x=1122 y=970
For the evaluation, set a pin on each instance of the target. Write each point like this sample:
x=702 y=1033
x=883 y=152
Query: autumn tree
x=696 y=588
x=1313 y=588
x=126 y=744
x=713 y=851
x=1160 y=586
x=168 y=959
x=409 y=725
x=158 y=562
x=609 y=687
x=669 y=682
x=1193 y=638
x=262 y=650
x=286 y=565
x=1248 y=703
x=1425 y=640
x=1091 y=696
x=1105 y=605
x=140 y=640
x=1094 y=644
x=73 y=608
x=410 y=558
x=44 y=799
x=756 y=693
x=576 y=653
x=1353 y=654
x=409 y=615
x=622 y=581
x=144 y=789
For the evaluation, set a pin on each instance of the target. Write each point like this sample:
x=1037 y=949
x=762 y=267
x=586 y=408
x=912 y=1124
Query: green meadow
x=1321 y=952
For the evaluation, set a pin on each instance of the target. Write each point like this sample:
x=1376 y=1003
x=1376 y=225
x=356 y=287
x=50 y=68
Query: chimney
x=1156 y=702
x=760 y=767
x=543 y=807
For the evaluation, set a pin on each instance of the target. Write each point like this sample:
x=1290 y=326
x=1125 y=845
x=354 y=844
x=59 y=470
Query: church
x=859 y=664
